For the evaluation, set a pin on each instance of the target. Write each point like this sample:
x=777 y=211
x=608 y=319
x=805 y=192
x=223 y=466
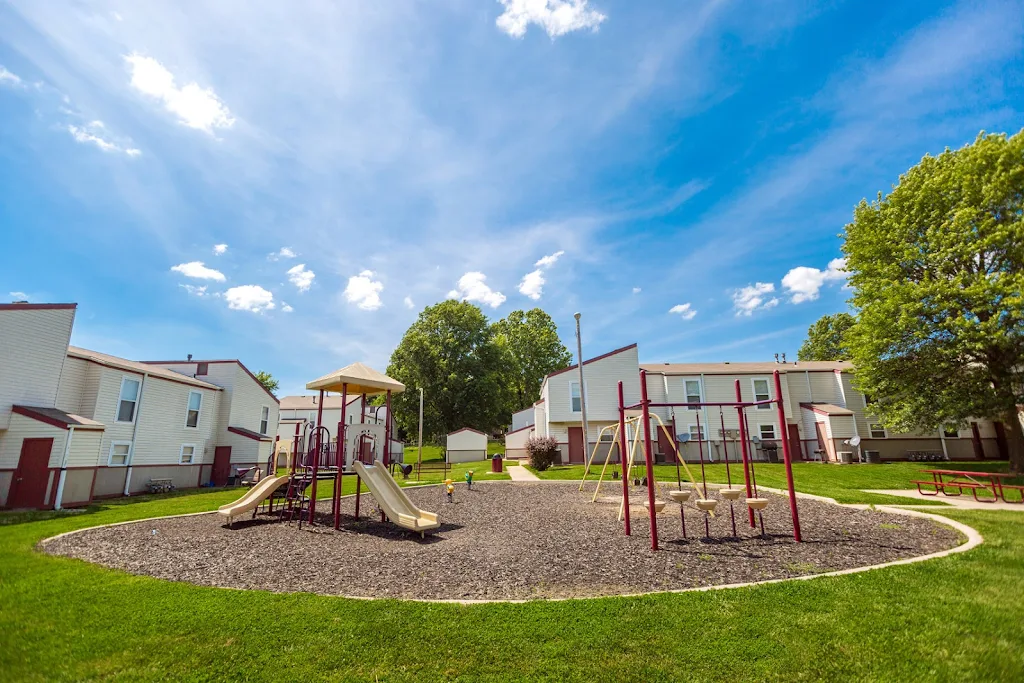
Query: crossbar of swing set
x=745 y=404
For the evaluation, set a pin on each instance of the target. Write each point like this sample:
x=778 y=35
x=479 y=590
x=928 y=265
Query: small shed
x=466 y=445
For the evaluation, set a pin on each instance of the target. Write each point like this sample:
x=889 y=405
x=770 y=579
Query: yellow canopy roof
x=360 y=379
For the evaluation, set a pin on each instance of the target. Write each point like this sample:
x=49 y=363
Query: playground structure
x=634 y=427
x=359 y=450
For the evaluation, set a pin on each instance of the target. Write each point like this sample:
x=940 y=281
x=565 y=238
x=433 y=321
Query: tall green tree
x=531 y=349
x=826 y=338
x=268 y=381
x=449 y=352
x=937 y=270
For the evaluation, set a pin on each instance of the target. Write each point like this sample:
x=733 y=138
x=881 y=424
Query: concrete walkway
x=520 y=473
x=964 y=502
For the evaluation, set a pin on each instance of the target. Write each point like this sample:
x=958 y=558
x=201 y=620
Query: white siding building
x=466 y=445
x=76 y=424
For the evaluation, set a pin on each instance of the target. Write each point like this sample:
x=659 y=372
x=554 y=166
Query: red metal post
x=339 y=458
x=362 y=420
x=728 y=475
x=387 y=431
x=743 y=452
x=653 y=514
x=622 y=460
x=786 y=457
x=316 y=456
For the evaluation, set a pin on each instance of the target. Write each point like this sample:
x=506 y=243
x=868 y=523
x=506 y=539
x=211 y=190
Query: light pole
x=583 y=391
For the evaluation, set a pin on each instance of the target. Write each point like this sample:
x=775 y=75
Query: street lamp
x=583 y=391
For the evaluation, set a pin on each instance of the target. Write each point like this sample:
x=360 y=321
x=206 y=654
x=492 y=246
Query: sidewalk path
x=520 y=473
x=965 y=502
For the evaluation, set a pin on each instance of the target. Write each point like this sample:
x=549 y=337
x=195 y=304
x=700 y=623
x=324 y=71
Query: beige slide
x=252 y=498
x=393 y=501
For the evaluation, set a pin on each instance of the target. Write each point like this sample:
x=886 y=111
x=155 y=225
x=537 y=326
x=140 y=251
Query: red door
x=28 y=488
x=577 y=453
x=221 y=465
x=795 y=452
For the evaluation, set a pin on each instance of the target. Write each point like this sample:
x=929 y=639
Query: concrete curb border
x=974 y=539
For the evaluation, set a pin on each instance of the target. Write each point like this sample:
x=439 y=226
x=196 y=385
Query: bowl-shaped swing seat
x=757 y=503
x=659 y=505
x=730 y=494
x=707 y=505
x=680 y=496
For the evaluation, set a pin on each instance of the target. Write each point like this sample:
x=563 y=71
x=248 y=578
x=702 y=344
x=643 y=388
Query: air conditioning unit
x=872 y=456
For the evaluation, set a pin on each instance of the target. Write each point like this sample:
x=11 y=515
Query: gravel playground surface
x=503 y=541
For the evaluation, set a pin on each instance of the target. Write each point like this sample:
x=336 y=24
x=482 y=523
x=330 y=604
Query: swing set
x=634 y=428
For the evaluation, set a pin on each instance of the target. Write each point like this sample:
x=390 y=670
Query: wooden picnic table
x=969 y=479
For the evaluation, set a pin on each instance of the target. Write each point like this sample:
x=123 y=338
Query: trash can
x=496 y=464
x=846 y=457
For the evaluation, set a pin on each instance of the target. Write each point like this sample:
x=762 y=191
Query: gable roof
x=137 y=367
x=360 y=378
x=591 y=360
x=728 y=368
x=467 y=429
x=58 y=418
x=215 y=362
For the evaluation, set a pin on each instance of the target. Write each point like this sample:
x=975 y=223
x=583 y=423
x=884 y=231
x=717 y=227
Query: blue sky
x=677 y=171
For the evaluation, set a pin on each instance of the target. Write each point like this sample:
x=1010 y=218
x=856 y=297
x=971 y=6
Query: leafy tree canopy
x=531 y=348
x=937 y=271
x=268 y=381
x=825 y=338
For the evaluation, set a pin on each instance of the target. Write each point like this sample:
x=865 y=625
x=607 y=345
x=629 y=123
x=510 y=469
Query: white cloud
x=408 y=303
x=219 y=249
x=637 y=290
x=532 y=284
x=93 y=133
x=804 y=284
x=363 y=291
x=301 y=277
x=548 y=261
x=133 y=152
x=685 y=311
x=557 y=17
x=18 y=296
x=251 y=298
x=199 y=271
x=284 y=252
x=6 y=77
x=285 y=308
x=194 y=291
x=195 y=107
x=754 y=297
x=473 y=287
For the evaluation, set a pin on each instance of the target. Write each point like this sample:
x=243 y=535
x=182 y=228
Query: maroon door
x=221 y=465
x=577 y=453
x=28 y=488
x=979 y=450
x=795 y=451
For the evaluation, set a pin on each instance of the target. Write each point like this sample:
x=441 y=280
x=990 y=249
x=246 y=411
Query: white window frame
x=110 y=454
x=700 y=392
x=181 y=454
x=584 y=396
x=138 y=399
x=264 y=425
x=199 y=410
x=775 y=431
x=871 y=430
x=696 y=435
x=753 y=391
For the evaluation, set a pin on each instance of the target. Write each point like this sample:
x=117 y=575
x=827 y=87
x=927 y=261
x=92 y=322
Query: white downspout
x=63 y=469
x=135 y=432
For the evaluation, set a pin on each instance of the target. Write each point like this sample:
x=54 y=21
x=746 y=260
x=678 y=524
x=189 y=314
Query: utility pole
x=419 y=458
x=583 y=390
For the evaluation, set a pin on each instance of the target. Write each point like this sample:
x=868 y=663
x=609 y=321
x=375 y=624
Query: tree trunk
x=1015 y=441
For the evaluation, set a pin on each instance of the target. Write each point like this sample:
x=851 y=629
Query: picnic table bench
x=442 y=466
x=967 y=479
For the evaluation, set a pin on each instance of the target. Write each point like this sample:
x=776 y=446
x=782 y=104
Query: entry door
x=28 y=489
x=979 y=450
x=577 y=453
x=221 y=465
x=796 y=452
x=824 y=442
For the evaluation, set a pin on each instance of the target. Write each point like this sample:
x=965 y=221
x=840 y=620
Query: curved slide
x=393 y=501
x=252 y=498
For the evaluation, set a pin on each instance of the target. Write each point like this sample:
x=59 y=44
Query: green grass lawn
x=842 y=482
x=956 y=618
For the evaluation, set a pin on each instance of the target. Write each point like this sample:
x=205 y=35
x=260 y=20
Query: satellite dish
x=682 y=438
x=855 y=441
x=756 y=440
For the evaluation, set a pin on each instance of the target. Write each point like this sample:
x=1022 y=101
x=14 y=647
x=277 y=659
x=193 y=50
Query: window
x=264 y=420
x=202 y=369
x=128 y=400
x=195 y=403
x=767 y=432
x=692 y=393
x=761 y=392
x=119 y=451
x=696 y=433
x=574 y=397
x=877 y=431
x=950 y=431
x=187 y=455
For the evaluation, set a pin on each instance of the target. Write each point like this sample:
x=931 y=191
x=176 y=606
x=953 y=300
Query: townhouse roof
x=26 y=306
x=309 y=402
x=829 y=409
x=728 y=368
x=195 y=361
x=591 y=360
x=58 y=418
x=138 y=367
x=466 y=429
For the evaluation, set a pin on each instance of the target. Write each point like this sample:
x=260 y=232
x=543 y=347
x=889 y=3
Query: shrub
x=543 y=452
